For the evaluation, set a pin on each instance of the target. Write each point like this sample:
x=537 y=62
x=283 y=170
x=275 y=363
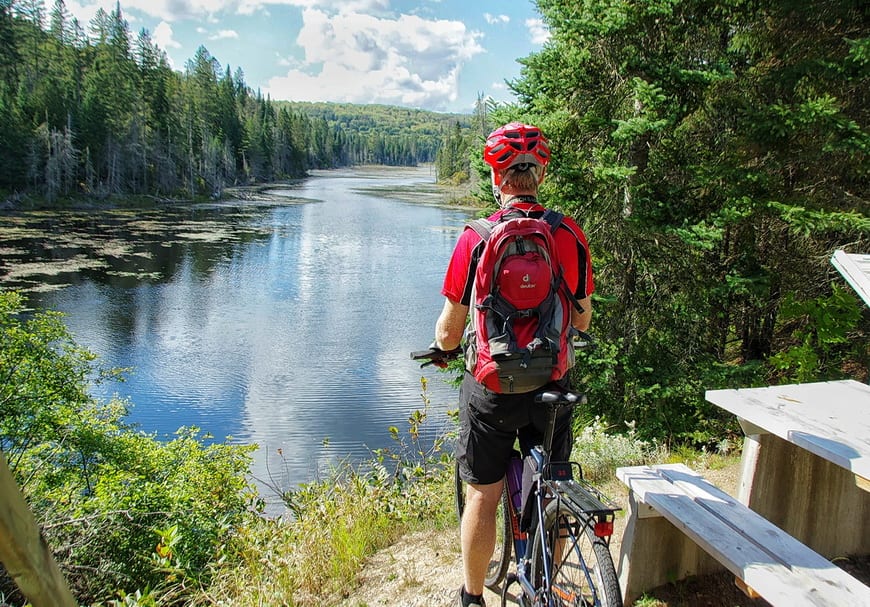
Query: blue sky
x=431 y=54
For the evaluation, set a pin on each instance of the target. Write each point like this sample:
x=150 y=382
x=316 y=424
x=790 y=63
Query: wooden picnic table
x=806 y=460
x=855 y=268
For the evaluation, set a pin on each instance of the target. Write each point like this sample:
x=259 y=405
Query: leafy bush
x=122 y=511
x=600 y=453
x=824 y=335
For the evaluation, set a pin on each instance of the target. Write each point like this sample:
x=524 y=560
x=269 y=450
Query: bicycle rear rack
x=586 y=498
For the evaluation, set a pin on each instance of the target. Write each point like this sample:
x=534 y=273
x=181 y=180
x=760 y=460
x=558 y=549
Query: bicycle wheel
x=582 y=569
x=501 y=555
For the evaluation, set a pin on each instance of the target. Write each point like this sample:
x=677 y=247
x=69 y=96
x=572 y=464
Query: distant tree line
x=100 y=112
x=383 y=134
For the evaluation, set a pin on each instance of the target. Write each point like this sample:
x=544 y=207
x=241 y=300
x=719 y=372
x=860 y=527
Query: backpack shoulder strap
x=554 y=218
x=483 y=227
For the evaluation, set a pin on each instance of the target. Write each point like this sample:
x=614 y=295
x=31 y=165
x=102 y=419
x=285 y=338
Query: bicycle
x=568 y=561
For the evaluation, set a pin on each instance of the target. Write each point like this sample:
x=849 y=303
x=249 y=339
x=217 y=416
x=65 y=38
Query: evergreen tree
x=713 y=152
x=102 y=113
x=452 y=158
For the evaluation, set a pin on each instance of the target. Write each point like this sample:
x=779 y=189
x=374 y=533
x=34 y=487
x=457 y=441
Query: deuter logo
x=527 y=282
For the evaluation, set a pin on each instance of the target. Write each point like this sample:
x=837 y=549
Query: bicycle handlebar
x=583 y=341
x=435 y=355
x=432 y=356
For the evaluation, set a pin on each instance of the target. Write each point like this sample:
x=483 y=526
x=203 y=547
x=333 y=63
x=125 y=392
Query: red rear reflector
x=603 y=529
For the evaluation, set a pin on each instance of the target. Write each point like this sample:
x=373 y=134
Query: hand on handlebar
x=582 y=340
x=436 y=356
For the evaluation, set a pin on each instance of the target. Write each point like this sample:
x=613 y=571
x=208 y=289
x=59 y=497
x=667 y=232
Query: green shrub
x=600 y=453
x=122 y=511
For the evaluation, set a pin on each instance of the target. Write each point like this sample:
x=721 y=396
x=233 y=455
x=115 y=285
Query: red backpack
x=518 y=336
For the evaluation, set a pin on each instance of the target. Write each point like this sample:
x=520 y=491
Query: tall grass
x=312 y=555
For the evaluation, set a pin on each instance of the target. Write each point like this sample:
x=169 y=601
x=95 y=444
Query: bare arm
x=450 y=325
x=581 y=320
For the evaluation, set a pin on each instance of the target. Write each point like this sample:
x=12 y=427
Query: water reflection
x=284 y=325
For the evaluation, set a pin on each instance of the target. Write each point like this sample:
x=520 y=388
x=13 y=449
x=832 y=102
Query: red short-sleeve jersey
x=571 y=244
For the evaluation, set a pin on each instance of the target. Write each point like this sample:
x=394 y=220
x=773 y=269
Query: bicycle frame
x=550 y=481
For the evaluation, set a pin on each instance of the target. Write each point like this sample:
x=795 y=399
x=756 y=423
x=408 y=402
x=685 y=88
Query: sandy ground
x=425 y=569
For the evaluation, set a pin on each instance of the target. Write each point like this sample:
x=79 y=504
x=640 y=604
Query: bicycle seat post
x=555 y=401
x=547 y=446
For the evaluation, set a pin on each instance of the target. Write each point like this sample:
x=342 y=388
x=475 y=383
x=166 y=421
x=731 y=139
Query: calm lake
x=284 y=321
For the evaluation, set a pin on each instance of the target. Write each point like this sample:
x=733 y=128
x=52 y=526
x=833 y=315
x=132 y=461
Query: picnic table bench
x=681 y=525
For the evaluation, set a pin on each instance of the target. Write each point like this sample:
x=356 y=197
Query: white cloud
x=538 y=31
x=285 y=61
x=163 y=36
x=493 y=19
x=174 y=10
x=85 y=12
x=224 y=35
x=359 y=58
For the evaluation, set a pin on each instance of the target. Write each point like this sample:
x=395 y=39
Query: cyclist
x=489 y=423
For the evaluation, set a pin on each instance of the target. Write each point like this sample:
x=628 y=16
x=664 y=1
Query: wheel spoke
x=582 y=569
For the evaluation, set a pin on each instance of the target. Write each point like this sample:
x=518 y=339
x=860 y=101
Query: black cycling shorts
x=490 y=423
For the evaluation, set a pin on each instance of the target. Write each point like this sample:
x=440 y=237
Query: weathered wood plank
x=855 y=268
x=818 y=502
x=23 y=550
x=781 y=569
x=829 y=419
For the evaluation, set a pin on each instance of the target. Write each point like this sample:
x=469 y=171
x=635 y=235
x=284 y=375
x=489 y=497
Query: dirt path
x=425 y=569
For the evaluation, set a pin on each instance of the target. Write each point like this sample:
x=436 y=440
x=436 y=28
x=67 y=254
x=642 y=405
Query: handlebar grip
x=583 y=341
x=436 y=354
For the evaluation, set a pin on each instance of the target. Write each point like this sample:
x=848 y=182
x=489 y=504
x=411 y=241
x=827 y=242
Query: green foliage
x=824 y=328
x=661 y=398
x=43 y=392
x=452 y=159
x=105 y=114
x=716 y=155
x=600 y=452
x=130 y=511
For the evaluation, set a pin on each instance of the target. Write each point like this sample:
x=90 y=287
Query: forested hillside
x=382 y=134
x=94 y=110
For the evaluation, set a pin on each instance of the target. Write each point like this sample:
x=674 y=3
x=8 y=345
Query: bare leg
x=478 y=532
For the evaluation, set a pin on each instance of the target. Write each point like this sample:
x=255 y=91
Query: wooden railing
x=23 y=550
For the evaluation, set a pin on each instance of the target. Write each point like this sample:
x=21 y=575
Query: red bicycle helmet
x=516 y=143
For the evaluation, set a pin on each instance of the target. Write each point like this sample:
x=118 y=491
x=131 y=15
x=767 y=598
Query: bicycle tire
x=585 y=575
x=501 y=555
